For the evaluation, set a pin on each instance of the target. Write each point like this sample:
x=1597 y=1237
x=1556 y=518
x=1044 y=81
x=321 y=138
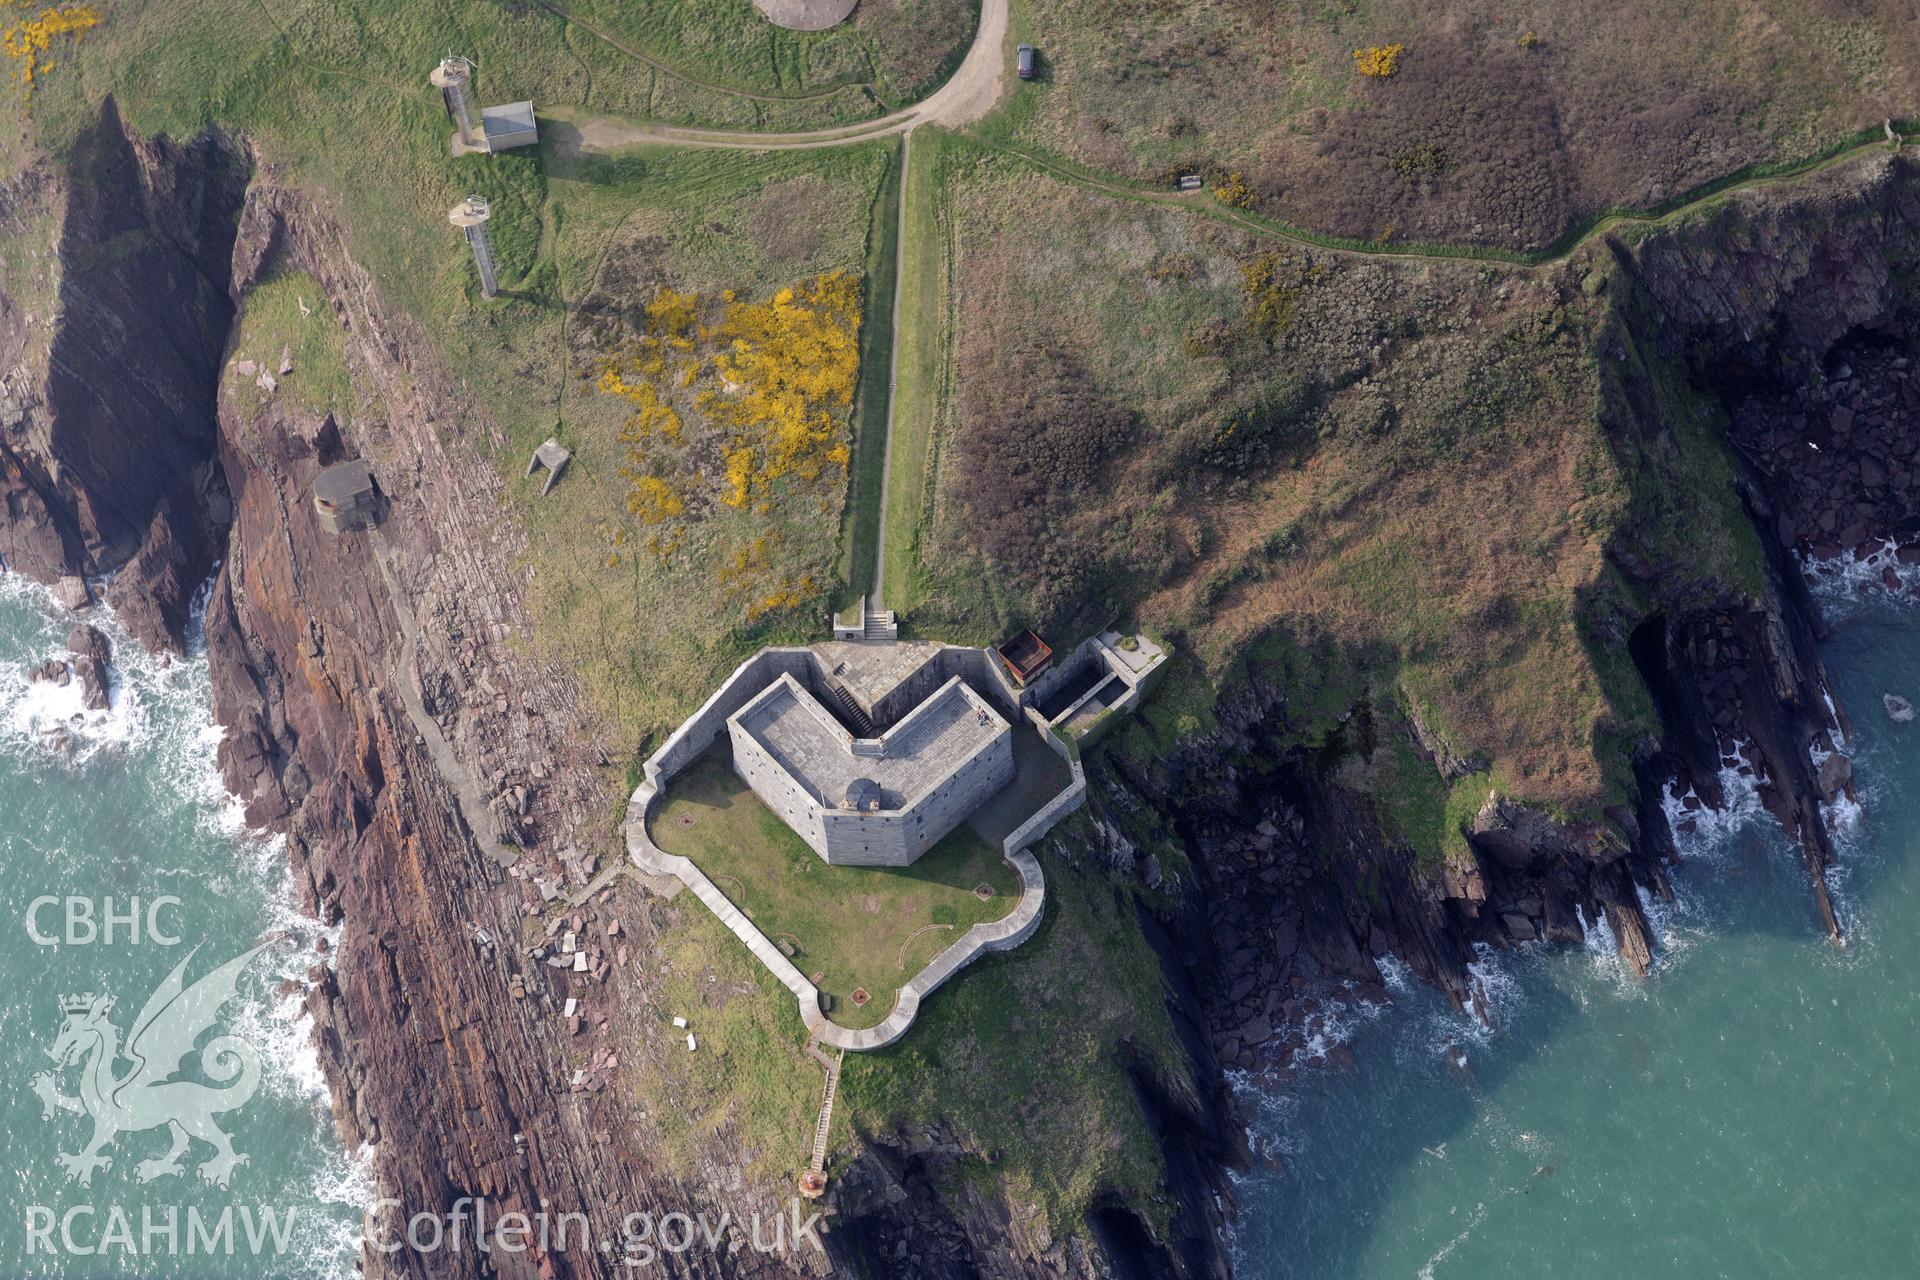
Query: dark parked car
x=1025 y=64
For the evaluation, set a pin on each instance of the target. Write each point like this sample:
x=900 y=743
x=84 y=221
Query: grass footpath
x=860 y=529
x=920 y=367
x=867 y=928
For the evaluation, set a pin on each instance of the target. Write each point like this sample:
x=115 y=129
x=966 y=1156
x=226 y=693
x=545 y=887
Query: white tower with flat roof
x=470 y=215
x=454 y=78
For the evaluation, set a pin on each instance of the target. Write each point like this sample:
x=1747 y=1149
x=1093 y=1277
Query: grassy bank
x=860 y=529
x=920 y=369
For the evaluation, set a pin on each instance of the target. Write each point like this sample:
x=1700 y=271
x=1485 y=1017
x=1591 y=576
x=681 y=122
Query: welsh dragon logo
x=149 y=1093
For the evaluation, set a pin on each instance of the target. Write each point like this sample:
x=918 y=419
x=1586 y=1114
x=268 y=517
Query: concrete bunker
x=346 y=497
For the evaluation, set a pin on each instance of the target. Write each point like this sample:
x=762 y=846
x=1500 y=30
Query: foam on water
x=1330 y=1024
x=1702 y=833
x=160 y=712
x=1497 y=994
x=1850 y=576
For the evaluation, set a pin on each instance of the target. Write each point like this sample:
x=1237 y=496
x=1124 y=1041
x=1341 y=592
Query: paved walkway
x=824 y=1125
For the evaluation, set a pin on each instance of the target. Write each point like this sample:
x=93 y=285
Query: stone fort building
x=881 y=800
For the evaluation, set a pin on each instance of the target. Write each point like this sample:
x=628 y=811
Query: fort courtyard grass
x=854 y=929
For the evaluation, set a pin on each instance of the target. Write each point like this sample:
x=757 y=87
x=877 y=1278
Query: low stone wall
x=1071 y=797
x=654 y=860
x=1003 y=934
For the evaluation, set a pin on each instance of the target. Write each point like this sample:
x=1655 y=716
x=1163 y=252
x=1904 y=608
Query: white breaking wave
x=1497 y=994
x=1701 y=832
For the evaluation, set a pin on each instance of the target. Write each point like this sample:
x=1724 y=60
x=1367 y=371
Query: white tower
x=470 y=215
x=454 y=77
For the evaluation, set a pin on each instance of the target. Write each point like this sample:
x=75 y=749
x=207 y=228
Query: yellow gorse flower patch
x=740 y=406
x=1379 y=61
x=27 y=35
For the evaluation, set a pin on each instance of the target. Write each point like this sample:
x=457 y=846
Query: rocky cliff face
x=439 y=791
x=107 y=445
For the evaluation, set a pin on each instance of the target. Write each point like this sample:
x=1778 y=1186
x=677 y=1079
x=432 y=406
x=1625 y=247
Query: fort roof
x=928 y=744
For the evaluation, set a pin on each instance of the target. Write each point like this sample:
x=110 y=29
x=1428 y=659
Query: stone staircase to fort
x=818 y=1163
x=879 y=623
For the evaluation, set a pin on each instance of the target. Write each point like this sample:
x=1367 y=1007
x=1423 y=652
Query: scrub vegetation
x=1548 y=114
x=29 y=30
x=1395 y=472
x=740 y=407
x=1026 y=1063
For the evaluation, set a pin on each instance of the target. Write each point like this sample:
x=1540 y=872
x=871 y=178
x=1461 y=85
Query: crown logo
x=82 y=1003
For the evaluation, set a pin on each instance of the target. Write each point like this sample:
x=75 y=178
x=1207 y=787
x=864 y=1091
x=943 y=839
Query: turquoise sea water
x=1752 y=1110
x=135 y=810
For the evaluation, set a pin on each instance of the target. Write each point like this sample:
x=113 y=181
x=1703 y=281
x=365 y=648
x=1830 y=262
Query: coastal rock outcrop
x=107 y=439
x=442 y=792
x=92 y=658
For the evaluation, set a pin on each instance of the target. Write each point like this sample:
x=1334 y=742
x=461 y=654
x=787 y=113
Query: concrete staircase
x=821 y=1127
x=879 y=623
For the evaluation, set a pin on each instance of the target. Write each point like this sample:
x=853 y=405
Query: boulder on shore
x=92 y=656
x=71 y=593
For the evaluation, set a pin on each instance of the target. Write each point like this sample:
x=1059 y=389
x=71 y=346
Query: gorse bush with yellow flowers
x=741 y=407
x=1378 y=61
x=27 y=34
x=1232 y=189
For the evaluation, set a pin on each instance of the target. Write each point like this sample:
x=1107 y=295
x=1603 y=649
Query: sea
x=1750 y=1110
x=127 y=874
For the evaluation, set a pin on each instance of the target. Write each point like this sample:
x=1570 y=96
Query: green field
x=867 y=928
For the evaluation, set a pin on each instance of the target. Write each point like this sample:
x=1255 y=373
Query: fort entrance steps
x=866 y=620
x=878 y=624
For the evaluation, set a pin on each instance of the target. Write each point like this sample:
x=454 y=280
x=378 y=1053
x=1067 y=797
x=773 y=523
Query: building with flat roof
x=507 y=126
x=871 y=801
